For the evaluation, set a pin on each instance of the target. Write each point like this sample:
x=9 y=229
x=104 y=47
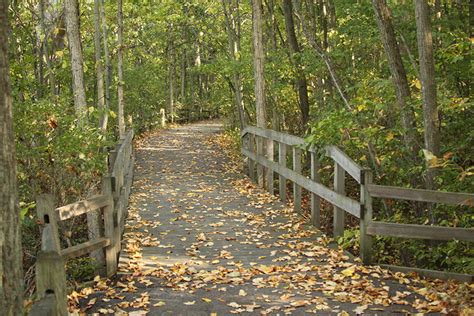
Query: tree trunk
x=399 y=76
x=324 y=22
x=121 y=115
x=108 y=68
x=183 y=78
x=258 y=66
x=471 y=18
x=48 y=75
x=98 y=62
x=57 y=44
x=171 y=86
x=428 y=83
x=273 y=30
x=71 y=12
x=232 y=19
x=301 y=83
x=326 y=59
x=11 y=279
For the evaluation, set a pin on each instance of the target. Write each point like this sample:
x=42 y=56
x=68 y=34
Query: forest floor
x=200 y=239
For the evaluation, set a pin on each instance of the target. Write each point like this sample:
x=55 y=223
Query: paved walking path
x=201 y=240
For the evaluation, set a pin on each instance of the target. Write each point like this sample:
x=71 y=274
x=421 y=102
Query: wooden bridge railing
x=259 y=147
x=113 y=204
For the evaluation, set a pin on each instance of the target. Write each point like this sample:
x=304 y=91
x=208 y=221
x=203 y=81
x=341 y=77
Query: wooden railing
x=258 y=145
x=112 y=202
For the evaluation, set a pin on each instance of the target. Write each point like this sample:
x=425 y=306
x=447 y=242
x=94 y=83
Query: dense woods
x=389 y=82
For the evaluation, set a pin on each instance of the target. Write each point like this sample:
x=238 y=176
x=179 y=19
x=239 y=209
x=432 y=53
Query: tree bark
x=428 y=83
x=232 y=19
x=171 y=85
x=121 y=115
x=399 y=76
x=71 y=12
x=46 y=76
x=182 y=77
x=301 y=83
x=108 y=68
x=98 y=62
x=11 y=279
x=258 y=66
x=258 y=59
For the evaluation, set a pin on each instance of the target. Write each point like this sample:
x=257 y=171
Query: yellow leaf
x=299 y=303
x=417 y=84
x=207 y=300
x=161 y=303
x=349 y=271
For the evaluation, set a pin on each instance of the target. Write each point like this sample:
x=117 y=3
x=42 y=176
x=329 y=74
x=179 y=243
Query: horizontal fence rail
x=258 y=145
x=112 y=205
x=349 y=205
x=452 y=198
x=413 y=231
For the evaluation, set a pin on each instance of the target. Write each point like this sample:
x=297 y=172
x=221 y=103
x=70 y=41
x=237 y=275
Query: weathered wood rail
x=112 y=203
x=259 y=147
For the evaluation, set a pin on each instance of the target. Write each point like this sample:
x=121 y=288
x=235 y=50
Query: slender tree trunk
x=326 y=59
x=98 y=62
x=428 y=83
x=328 y=23
x=183 y=77
x=108 y=68
x=11 y=279
x=171 y=86
x=71 y=12
x=45 y=55
x=232 y=19
x=301 y=83
x=93 y=218
x=471 y=18
x=273 y=30
x=399 y=76
x=258 y=66
x=57 y=44
x=121 y=115
x=39 y=71
x=198 y=64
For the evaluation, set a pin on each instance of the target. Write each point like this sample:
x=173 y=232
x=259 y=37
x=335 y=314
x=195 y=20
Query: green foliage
x=54 y=154
x=81 y=269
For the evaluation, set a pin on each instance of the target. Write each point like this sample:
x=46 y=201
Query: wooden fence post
x=296 y=187
x=163 y=118
x=270 y=154
x=365 y=217
x=94 y=231
x=251 y=148
x=339 y=187
x=110 y=251
x=50 y=265
x=281 y=179
x=260 y=169
x=117 y=218
x=111 y=159
x=315 y=200
x=245 y=142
